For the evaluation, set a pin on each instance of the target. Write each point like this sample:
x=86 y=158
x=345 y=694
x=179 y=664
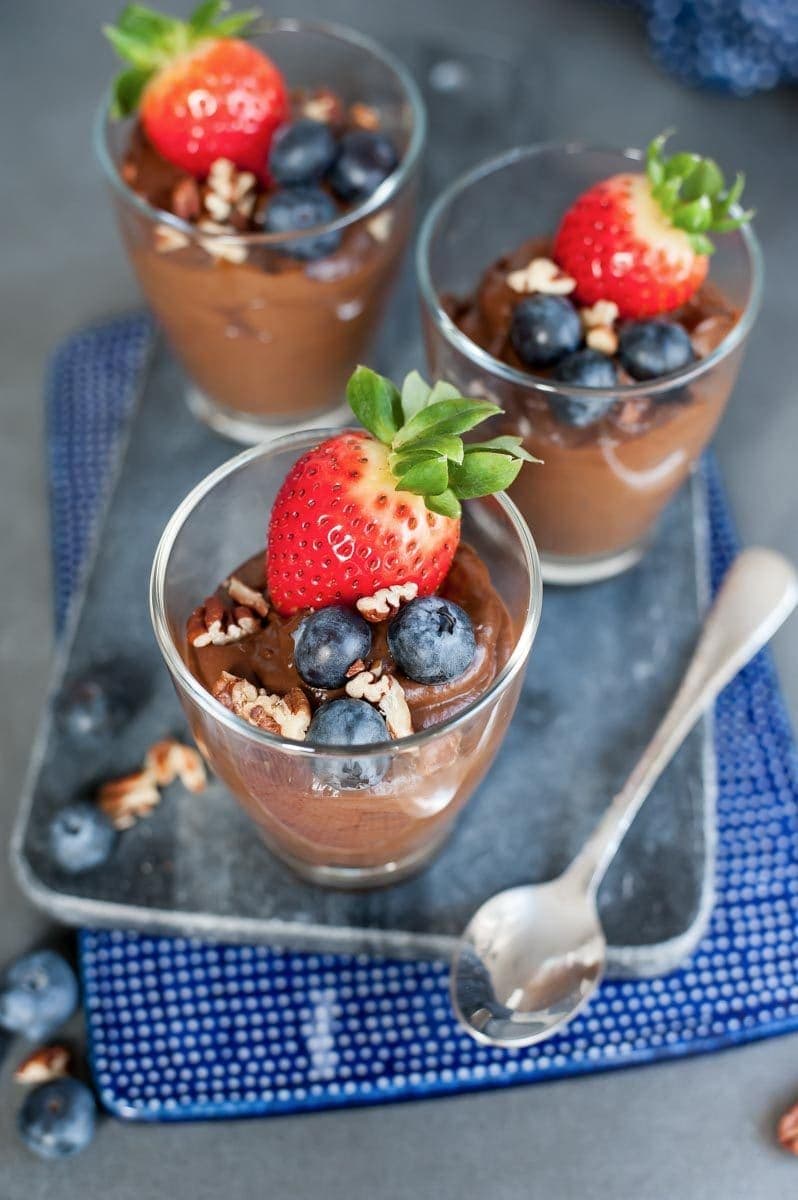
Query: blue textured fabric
x=181 y=1028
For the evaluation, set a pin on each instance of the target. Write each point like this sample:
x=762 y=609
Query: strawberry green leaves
x=149 y=40
x=423 y=427
x=693 y=194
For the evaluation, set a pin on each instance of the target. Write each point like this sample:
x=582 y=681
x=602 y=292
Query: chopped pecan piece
x=603 y=312
x=319 y=105
x=243 y=594
x=227 y=249
x=126 y=800
x=169 y=760
x=388 y=694
x=387 y=601
x=541 y=275
x=168 y=239
x=602 y=338
x=363 y=116
x=287 y=715
x=44 y=1064
x=787 y=1130
x=186 y=200
x=211 y=624
x=381 y=225
x=229 y=193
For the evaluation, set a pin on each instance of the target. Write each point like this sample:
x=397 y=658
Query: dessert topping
x=247 y=596
x=167 y=239
x=386 y=602
x=211 y=624
x=787 y=1130
x=602 y=338
x=186 y=199
x=432 y=640
x=363 y=116
x=372 y=509
x=380 y=226
x=229 y=194
x=226 y=249
x=287 y=715
x=388 y=694
x=126 y=800
x=44 y=1064
x=641 y=240
x=600 y=314
x=649 y=349
x=541 y=275
x=320 y=105
x=168 y=760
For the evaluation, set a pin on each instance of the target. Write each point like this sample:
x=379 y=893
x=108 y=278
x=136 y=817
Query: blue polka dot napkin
x=183 y=1029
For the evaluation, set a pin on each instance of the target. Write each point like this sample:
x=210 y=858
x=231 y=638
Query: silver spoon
x=532 y=956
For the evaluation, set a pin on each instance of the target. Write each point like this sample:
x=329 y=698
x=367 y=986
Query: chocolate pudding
x=411 y=807
x=603 y=485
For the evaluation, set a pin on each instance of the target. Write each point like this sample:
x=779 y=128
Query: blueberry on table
x=364 y=160
x=301 y=152
x=39 y=993
x=649 y=349
x=544 y=329
x=80 y=837
x=58 y=1119
x=432 y=640
x=348 y=722
x=294 y=209
x=326 y=644
x=584 y=368
x=85 y=708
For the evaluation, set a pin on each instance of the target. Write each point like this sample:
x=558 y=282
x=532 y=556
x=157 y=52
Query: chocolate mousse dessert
x=365 y=621
x=232 y=166
x=610 y=314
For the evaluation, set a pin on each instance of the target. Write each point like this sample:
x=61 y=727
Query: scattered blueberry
x=298 y=208
x=649 y=349
x=57 y=1119
x=348 y=722
x=585 y=368
x=85 y=708
x=364 y=160
x=432 y=640
x=544 y=329
x=81 y=837
x=301 y=152
x=326 y=644
x=39 y=993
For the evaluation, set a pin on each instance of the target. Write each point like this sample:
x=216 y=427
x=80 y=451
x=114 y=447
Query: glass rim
x=482 y=359
x=213 y=708
x=386 y=192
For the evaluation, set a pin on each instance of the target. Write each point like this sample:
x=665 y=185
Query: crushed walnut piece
x=229 y=194
x=387 y=601
x=602 y=338
x=388 y=694
x=249 y=597
x=168 y=239
x=541 y=275
x=363 y=116
x=124 y=801
x=226 y=249
x=168 y=760
x=787 y=1130
x=287 y=715
x=602 y=313
x=320 y=105
x=211 y=624
x=43 y=1065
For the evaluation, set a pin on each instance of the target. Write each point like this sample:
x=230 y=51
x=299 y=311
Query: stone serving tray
x=605 y=663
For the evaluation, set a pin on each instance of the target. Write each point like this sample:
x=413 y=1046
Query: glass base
x=354 y=879
x=252 y=430
x=571 y=572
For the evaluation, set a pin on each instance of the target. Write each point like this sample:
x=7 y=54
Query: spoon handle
x=757 y=595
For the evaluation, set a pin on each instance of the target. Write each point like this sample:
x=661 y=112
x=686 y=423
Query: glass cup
x=594 y=502
x=267 y=340
x=329 y=833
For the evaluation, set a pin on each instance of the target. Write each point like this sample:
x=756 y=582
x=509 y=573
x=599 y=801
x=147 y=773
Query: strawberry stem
x=423 y=427
x=693 y=194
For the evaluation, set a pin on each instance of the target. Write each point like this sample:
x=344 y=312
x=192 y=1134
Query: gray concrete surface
x=695 y=1130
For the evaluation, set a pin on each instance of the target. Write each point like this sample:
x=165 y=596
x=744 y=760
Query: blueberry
x=327 y=643
x=85 y=708
x=348 y=722
x=585 y=368
x=432 y=640
x=364 y=160
x=39 y=993
x=301 y=152
x=649 y=349
x=81 y=837
x=544 y=329
x=57 y=1119
x=303 y=208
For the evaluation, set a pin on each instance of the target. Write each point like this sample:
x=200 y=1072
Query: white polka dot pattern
x=180 y=1028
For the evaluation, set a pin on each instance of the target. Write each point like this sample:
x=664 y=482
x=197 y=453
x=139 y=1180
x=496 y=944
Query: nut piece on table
x=787 y=1130
x=126 y=800
x=43 y=1065
x=541 y=275
x=211 y=624
x=388 y=694
x=287 y=715
x=169 y=760
x=387 y=601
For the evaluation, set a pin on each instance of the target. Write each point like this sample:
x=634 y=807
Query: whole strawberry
x=201 y=92
x=370 y=508
x=641 y=240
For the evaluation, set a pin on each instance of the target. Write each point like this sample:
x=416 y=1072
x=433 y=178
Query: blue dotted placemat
x=183 y=1029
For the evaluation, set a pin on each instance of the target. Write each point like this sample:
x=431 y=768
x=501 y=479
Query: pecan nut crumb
x=388 y=694
x=167 y=239
x=602 y=338
x=211 y=624
x=380 y=226
x=387 y=601
x=603 y=312
x=226 y=249
x=357 y=666
x=320 y=105
x=229 y=194
x=541 y=275
x=43 y=1065
x=124 y=801
x=249 y=597
x=169 y=760
x=787 y=1130
x=363 y=116
x=287 y=715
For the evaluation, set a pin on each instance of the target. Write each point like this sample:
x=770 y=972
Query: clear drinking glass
x=335 y=835
x=594 y=502
x=268 y=341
